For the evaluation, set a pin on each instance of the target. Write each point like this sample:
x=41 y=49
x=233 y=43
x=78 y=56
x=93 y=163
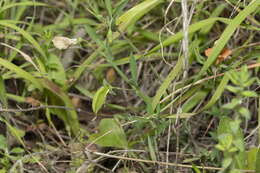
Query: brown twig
x=158 y=162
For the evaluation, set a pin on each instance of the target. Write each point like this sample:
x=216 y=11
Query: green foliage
x=230 y=136
x=131 y=16
x=110 y=134
x=8 y=156
x=99 y=98
x=135 y=38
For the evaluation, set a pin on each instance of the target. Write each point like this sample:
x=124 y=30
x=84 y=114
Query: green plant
x=230 y=135
x=7 y=156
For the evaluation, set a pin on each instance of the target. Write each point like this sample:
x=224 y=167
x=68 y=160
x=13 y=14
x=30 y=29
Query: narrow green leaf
x=151 y=149
x=194 y=100
x=257 y=166
x=192 y=28
x=217 y=94
x=26 y=3
x=133 y=68
x=69 y=116
x=3 y=96
x=215 y=13
x=99 y=98
x=226 y=35
x=94 y=36
x=130 y=17
x=118 y=10
x=7 y=23
x=195 y=168
x=182 y=115
x=258 y=124
x=166 y=83
x=109 y=8
x=20 y=72
x=14 y=131
x=3 y=143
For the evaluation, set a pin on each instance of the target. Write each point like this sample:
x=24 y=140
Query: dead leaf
x=110 y=75
x=224 y=54
x=63 y=42
x=52 y=86
x=32 y=101
x=76 y=101
x=26 y=57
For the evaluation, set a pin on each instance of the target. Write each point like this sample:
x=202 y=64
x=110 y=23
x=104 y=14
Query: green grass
x=123 y=88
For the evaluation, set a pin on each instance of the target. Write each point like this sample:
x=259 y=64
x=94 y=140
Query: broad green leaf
x=239 y=143
x=249 y=82
x=226 y=35
x=234 y=89
x=244 y=112
x=99 y=98
x=226 y=162
x=234 y=77
x=234 y=102
x=130 y=17
x=220 y=147
x=240 y=160
x=225 y=140
x=110 y=134
x=235 y=125
x=251 y=158
x=224 y=126
x=17 y=150
x=249 y=93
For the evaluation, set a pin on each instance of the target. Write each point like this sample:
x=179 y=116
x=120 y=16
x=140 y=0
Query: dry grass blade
x=26 y=57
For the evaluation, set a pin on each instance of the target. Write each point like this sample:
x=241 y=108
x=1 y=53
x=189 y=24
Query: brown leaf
x=76 y=101
x=110 y=75
x=32 y=101
x=52 y=86
x=224 y=54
